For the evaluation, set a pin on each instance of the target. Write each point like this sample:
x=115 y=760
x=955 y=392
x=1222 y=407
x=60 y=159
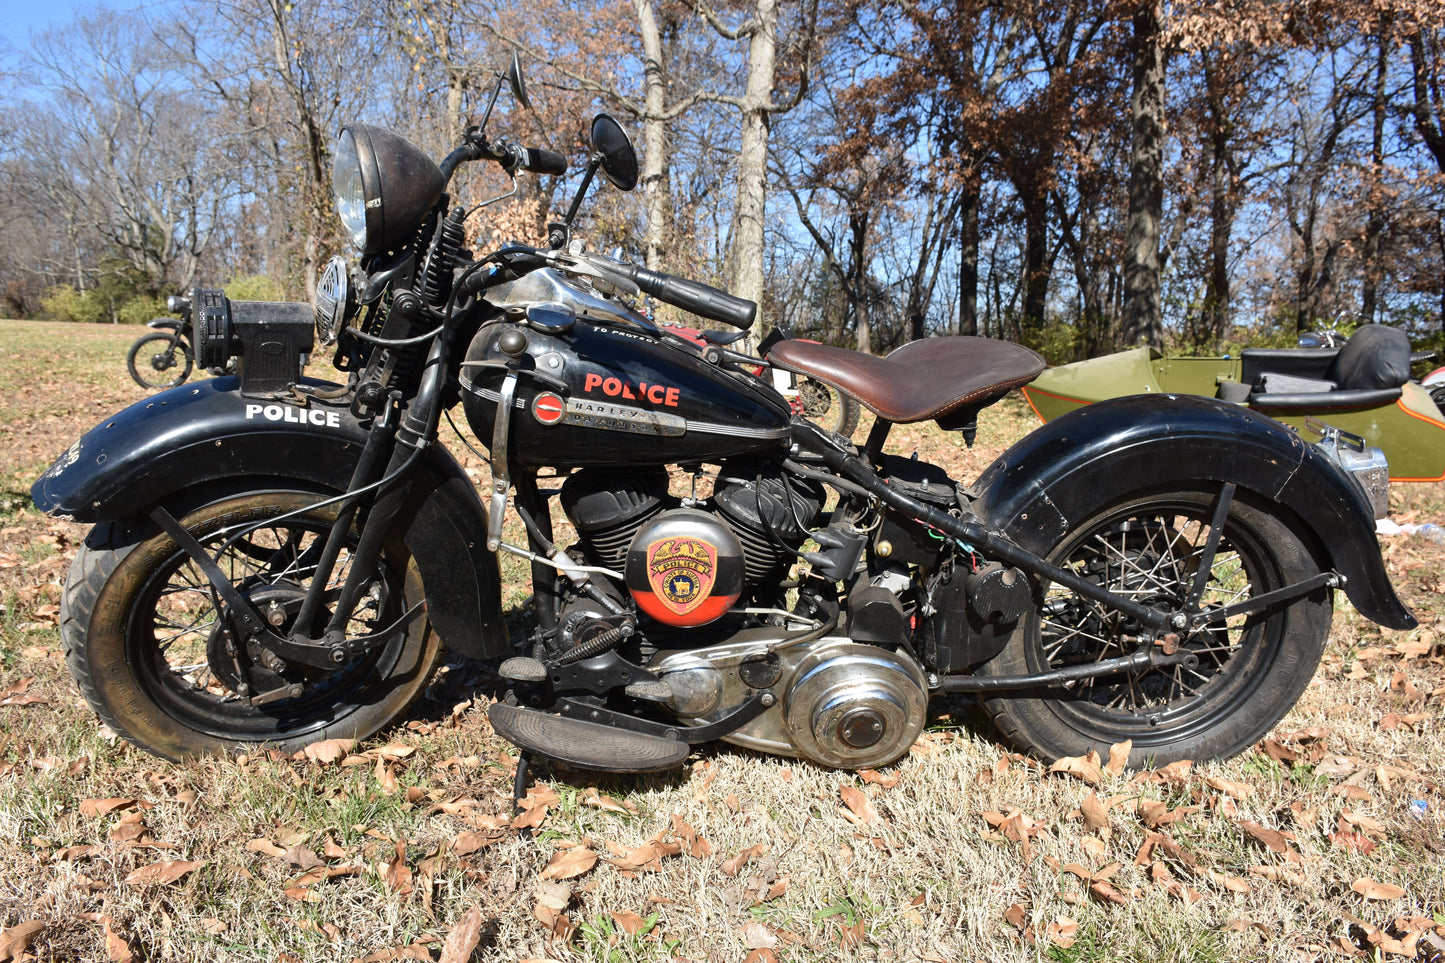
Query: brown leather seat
x=924 y=379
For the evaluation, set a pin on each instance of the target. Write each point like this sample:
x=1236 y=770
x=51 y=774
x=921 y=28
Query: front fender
x=1047 y=482
x=167 y=447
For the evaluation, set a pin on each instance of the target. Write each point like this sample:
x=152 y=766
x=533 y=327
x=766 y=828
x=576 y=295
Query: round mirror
x=517 y=81
x=614 y=147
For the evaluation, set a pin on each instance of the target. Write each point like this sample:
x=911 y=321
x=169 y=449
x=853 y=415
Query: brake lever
x=582 y=265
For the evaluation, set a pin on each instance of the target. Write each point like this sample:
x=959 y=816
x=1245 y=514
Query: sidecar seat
x=1367 y=372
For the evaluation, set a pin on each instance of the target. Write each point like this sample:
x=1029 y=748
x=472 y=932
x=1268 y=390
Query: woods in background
x=1079 y=177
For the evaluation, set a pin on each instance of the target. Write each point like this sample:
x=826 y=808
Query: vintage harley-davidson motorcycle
x=278 y=560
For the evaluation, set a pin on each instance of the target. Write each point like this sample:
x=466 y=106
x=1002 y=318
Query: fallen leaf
x=1232 y=789
x=117 y=948
x=301 y=894
x=463 y=937
x=734 y=866
x=1108 y=893
x=593 y=798
x=757 y=935
x=629 y=923
x=530 y=818
x=16 y=940
x=1275 y=840
x=163 y=873
x=1084 y=767
x=100 y=807
x=569 y=863
x=697 y=847
x=1095 y=813
x=1062 y=932
x=398 y=873
x=468 y=842
x=1370 y=889
x=1119 y=757
x=328 y=750
x=858 y=803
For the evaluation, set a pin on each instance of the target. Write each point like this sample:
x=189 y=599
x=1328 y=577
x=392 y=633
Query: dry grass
x=963 y=851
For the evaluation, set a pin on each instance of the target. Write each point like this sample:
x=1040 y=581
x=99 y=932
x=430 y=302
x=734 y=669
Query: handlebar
x=515 y=157
x=692 y=296
x=512 y=157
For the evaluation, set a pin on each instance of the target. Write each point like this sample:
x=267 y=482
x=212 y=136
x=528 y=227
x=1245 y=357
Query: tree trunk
x=656 y=171
x=1142 y=313
x=316 y=184
x=969 y=205
x=1375 y=223
x=746 y=259
x=1037 y=266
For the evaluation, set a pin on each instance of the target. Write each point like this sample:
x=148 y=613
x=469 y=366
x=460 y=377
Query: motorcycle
x=162 y=358
x=276 y=560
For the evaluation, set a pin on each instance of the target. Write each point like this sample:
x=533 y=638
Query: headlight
x=333 y=300
x=384 y=186
x=350 y=192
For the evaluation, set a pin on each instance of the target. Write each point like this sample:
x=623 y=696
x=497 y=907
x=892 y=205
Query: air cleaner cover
x=685 y=568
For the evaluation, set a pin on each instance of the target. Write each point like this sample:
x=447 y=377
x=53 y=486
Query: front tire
x=1250 y=669
x=142 y=633
x=158 y=360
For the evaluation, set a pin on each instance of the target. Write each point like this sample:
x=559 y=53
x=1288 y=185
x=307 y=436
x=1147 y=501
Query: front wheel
x=158 y=360
x=151 y=650
x=1243 y=673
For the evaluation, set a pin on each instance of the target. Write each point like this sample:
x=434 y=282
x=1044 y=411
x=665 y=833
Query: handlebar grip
x=693 y=296
x=540 y=161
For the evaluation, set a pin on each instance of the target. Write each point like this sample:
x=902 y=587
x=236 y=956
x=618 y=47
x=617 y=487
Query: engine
x=840 y=703
x=687 y=566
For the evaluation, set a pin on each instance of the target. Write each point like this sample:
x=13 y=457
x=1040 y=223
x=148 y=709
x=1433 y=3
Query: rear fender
x=1051 y=479
x=174 y=445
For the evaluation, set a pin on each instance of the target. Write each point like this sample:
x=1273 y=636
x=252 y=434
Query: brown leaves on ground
x=569 y=863
x=463 y=937
x=15 y=941
x=164 y=872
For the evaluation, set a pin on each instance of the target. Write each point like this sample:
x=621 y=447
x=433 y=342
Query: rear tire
x=142 y=637
x=828 y=406
x=1250 y=670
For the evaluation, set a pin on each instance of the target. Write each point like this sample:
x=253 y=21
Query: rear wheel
x=828 y=406
x=145 y=635
x=158 y=360
x=1243 y=673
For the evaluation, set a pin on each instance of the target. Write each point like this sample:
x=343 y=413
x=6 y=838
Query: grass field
x=1324 y=842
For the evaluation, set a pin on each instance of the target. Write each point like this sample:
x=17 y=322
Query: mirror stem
x=560 y=234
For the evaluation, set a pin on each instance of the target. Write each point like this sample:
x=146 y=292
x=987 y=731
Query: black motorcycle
x=277 y=560
x=162 y=358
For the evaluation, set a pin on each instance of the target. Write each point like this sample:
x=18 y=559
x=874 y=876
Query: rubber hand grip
x=693 y=296
x=540 y=161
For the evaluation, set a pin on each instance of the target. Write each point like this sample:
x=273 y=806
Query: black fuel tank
x=605 y=395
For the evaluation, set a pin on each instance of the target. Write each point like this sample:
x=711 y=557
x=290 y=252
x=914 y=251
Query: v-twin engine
x=686 y=565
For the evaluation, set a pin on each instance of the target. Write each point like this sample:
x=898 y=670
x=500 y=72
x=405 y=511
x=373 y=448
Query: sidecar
x=1363 y=388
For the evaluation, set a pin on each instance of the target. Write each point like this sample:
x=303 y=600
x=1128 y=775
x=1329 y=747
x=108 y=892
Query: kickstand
x=519 y=785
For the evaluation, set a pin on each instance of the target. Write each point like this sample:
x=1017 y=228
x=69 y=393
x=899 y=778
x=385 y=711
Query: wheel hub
x=254 y=668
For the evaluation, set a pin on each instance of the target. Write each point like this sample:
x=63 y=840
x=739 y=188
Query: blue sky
x=20 y=18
